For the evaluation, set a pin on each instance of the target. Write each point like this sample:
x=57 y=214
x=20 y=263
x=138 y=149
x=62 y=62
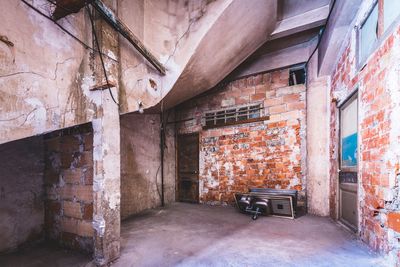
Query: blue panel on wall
x=349 y=150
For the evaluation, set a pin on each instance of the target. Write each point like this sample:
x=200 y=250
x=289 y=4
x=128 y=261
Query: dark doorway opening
x=188 y=168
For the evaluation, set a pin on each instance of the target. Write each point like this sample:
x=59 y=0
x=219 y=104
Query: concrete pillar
x=317 y=141
x=106 y=143
x=106 y=184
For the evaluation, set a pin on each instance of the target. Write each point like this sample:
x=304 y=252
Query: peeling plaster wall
x=43 y=85
x=171 y=30
x=140 y=163
x=21 y=193
x=268 y=153
x=379 y=155
x=46 y=76
x=318 y=182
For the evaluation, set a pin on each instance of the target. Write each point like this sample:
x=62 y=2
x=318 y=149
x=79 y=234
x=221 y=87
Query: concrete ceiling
x=291 y=42
x=269 y=35
x=238 y=32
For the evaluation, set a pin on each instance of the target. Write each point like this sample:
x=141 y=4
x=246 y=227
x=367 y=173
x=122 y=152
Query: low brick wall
x=69 y=187
x=269 y=153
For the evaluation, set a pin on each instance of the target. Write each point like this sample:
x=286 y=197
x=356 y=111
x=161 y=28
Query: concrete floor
x=45 y=255
x=197 y=235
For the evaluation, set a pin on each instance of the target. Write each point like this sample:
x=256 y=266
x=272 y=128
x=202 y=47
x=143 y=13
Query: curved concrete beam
x=237 y=33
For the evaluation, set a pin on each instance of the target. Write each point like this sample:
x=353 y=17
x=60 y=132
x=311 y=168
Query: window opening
x=232 y=115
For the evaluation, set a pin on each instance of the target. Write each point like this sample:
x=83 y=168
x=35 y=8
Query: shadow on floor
x=45 y=255
x=199 y=235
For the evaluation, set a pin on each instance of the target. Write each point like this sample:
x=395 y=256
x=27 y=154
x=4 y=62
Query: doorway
x=188 y=168
x=348 y=163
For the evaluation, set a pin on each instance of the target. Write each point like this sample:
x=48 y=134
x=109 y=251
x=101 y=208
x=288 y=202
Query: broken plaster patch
x=93 y=96
x=97 y=142
x=113 y=200
x=99 y=224
x=392 y=86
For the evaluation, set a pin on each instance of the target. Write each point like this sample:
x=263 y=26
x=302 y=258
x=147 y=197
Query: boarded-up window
x=232 y=115
x=368 y=35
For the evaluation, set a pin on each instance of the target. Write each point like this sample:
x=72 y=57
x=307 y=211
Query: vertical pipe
x=162 y=146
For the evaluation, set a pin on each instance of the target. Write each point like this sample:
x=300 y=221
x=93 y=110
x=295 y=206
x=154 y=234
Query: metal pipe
x=117 y=24
x=162 y=146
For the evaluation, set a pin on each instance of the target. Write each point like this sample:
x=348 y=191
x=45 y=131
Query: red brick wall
x=268 y=153
x=69 y=187
x=378 y=86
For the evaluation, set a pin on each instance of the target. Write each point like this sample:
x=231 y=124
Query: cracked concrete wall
x=191 y=39
x=141 y=166
x=42 y=83
x=46 y=75
x=21 y=193
x=171 y=30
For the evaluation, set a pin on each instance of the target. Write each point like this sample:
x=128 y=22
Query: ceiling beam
x=286 y=57
x=305 y=21
x=338 y=26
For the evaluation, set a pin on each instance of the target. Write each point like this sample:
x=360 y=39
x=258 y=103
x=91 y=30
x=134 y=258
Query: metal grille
x=232 y=115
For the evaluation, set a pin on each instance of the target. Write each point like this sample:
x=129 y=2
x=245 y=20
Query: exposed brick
x=279 y=84
x=266 y=78
x=277 y=109
x=79 y=192
x=256 y=154
x=66 y=159
x=85 y=193
x=394 y=221
x=69 y=225
x=273 y=101
x=85 y=159
x=72 y=209
x=67 y=192
x=296 y=106
x=88 y=211
x=291 y=98
x=88 y=175
x=88 y=141
x=376 y=107
x=291 y=115
x=70 y=200
x=85 y=228
x=72 y=176
x=257 y=97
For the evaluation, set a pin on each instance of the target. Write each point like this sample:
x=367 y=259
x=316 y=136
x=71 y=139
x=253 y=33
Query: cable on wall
x=86 y=46
x=100 y=54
